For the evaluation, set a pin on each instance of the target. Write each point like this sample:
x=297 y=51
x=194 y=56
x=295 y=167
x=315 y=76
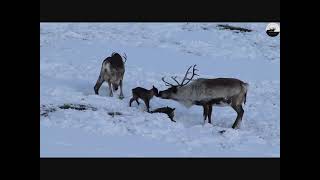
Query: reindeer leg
x=147 y=104
x=240 y=112
x=134 y=97
x=205 y=112
x=98 y=84
x=110 y=89
x=137 y=102
x=131 y=100
x=209 y=113
x=121 y=93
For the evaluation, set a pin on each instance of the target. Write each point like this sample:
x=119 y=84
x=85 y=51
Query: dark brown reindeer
x=144 y=94
x=166 y=110
x=112 y=71
x=207 y=93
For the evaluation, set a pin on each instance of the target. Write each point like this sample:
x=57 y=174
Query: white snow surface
x=70 y=60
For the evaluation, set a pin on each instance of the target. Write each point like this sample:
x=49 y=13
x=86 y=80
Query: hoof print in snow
x=121 y=97
x=233 y=28
x=204 y=28
x=114 y=113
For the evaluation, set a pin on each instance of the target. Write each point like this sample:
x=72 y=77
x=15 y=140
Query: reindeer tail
x=245 y=87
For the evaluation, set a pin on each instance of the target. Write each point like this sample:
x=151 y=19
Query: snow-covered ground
x=70 y=59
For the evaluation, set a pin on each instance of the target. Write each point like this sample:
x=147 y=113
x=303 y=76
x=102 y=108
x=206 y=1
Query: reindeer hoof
x=121 y=97
x=235 y=127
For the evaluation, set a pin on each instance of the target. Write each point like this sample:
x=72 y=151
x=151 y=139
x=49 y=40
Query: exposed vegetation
x=233 y=28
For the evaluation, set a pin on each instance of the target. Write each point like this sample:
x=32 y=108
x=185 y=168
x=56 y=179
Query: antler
x=175 y=79
x=125 y=57
x=184 y=79
x=189 y=79
x=166 y=83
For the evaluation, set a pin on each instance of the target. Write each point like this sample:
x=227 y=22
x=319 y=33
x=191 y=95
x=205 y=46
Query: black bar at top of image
x=159 y=11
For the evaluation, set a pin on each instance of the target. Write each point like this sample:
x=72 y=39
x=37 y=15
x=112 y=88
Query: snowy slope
x=70 y=60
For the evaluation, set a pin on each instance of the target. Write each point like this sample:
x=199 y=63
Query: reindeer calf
x=144 y=94
x=167 y=110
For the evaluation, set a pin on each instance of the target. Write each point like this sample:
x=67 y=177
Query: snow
x=70 y=60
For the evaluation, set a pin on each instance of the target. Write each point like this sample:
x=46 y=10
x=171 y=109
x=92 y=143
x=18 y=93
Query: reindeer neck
x=151 y=92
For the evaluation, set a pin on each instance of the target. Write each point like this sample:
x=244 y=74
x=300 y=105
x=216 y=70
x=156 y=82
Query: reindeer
x=144 y=94
x=112 y=71
x=166 y=110
x=207 y=93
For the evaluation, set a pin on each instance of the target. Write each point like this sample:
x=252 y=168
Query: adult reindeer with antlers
x=207 y=93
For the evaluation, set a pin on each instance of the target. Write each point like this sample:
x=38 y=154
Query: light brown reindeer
x=207 y=93
x=112 y=71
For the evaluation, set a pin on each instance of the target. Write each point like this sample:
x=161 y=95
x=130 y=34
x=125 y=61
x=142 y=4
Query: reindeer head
x=155 y=91
x=117 y=71
x=124 y=56
x=173 y=89
x=116 y=75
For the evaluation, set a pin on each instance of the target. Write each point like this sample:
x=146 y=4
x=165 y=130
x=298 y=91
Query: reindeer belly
x=221 y=102
x=215 y=102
